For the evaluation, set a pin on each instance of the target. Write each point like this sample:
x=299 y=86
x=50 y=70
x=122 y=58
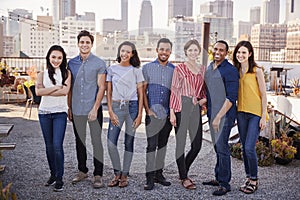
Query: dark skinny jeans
x=79 y=127
x=188 y=120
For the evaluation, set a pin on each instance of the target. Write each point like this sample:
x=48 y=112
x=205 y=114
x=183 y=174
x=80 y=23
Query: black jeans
x=158 y=132
x=188 y=120
x=79 y=126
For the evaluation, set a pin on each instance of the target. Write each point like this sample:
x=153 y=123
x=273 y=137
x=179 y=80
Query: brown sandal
x=188 y=184
x=114 y=182
x=123 y=182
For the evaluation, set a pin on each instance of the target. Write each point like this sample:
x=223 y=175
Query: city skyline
x=112 y=9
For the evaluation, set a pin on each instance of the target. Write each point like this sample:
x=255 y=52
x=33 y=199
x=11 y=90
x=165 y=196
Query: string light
x=38 y=24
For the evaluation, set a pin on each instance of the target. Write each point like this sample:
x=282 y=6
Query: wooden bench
x=5 y=129
x=7 y=146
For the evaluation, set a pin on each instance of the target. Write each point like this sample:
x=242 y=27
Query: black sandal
x=243 y=187
x=250 y=188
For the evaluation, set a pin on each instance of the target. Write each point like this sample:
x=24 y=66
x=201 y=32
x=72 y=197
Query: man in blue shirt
x=88 y=87
x=158 y=78
x=222 y=81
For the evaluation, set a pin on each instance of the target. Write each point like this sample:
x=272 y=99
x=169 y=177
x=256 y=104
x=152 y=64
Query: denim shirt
x=85 y=82
x=222 y=83
x=159 y=79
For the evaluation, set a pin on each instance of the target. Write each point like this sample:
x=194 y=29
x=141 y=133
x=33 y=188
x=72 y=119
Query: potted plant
x=264 y=154
x=295 y=84
x=5 y=192
x=283 y=150
x=296 y=144
x=236 y=150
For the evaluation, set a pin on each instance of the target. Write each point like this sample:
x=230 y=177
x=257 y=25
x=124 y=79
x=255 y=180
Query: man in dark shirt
x=158 y=78
x=222 y=80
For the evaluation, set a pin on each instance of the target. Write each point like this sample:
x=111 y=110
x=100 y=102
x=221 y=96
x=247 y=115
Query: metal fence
x=21 y=65
x=284 y=56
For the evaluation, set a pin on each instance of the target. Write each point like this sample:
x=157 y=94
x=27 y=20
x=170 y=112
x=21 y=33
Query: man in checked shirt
x=158 y=78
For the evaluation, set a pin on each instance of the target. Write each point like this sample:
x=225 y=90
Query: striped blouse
x=186 y=83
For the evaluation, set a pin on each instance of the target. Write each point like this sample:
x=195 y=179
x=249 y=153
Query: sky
x=112 y=9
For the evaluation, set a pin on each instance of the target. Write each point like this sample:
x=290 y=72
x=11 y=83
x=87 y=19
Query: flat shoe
x=221 y=191
x=188 y=184
x=97 y=182
x=211 y=182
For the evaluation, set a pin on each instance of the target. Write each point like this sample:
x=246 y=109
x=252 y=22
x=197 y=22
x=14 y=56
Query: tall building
x=219 y=14
x=109 y=26
x=13 y=28
x=270 y=11
x=220 y=28
x=244 y=28
x=180 y=7
x=62 y=9
x=124 y=14
x=8 y=46
x=220 y=8
x=14 y=17
x=292 y=10
x=293 y=41
x=69 y=29
x=146 y=19
x=255 y=15
x=38 y=36
x=267 y=38
x=183 y=29
x=1 y=38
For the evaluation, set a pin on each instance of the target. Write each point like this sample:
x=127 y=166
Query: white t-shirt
x=124 y=81
x=53 y=104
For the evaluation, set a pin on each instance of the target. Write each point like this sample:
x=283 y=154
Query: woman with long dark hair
x=125 y=104
x=252 y=110
x=53 y=85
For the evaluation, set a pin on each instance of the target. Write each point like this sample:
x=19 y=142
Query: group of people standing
x=172 y=96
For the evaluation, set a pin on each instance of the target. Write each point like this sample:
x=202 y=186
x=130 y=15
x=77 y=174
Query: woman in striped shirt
x=187 y=98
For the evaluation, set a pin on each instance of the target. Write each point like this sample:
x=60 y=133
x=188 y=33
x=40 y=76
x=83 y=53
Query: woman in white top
x=53 y=85
x=125 y=104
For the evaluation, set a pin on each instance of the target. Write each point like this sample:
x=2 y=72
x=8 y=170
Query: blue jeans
x=220 y=141
x=126 y=113
x=248 y=125
x=53 y=128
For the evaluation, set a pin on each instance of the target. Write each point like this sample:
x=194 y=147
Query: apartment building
x=267 y=38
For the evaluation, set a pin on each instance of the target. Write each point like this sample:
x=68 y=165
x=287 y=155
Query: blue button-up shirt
x=159 y=80
x=222 y=83
x=85 y=82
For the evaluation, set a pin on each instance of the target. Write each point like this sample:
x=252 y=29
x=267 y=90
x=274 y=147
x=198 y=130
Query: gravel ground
x=27 y=169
